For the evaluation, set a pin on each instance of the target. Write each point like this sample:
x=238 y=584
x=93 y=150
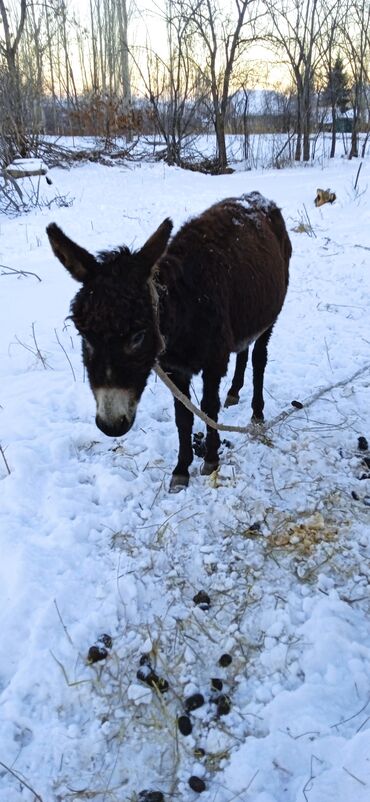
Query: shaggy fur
x=218 y=287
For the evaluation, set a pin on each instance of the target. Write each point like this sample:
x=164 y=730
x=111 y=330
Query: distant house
x=344 y=125
x=266 y=110
x=343 y=122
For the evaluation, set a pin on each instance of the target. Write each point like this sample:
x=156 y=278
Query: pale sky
x=146 y=28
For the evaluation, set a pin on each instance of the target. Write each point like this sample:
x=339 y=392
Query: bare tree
x=356 y=46
x=295 y=32
x=12 y=129
x=124 y=53
x=173 y=81
x=331 y=74
x=224 y=40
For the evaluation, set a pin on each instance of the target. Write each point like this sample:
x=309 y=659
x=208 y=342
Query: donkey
x=216 y=287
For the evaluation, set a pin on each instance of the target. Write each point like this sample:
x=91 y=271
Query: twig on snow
x=309 y=224
x=65 y=354
x=38 y=352
x=35 y=351
x=308 y=785
x=251 y=428
x=353 y=776
x=318 y=394
x=5 y=460
x=357 y=176
x=62 y=622
x=12 y=271
x=345 y=720
x=65 y=675
x=21 y=780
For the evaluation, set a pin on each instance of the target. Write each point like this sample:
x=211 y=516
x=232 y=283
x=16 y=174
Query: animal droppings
x=150 y=796
x=145 y=672
x=223 y=705
x=297 y=404
x=106 y=640
x=225 y=660
x=161 y=685
x=147 y=675
x=256 y=527
x=197 y=784
x=202 y=600
x=199 y=445
x=193 y=702
x=216 y=684
x=96 y=653
x=363 y=445
x=355 y=495
x=184 y=724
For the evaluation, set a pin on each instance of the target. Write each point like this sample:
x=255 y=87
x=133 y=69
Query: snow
x=92 y=542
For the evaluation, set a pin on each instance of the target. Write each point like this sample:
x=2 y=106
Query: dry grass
x=303 y=537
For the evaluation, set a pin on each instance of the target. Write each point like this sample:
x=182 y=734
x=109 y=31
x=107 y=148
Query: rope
x=250 y=428
x=195 y=410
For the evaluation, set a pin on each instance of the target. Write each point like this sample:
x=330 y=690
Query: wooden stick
x=250 y=428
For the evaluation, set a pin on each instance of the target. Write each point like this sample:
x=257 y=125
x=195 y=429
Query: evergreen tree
x=337 y=91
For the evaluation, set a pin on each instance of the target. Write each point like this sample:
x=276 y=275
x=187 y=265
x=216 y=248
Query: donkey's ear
x=155 y=245
x=79 y=263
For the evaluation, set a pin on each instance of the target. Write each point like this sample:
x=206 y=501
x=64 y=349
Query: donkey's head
x=115 y=314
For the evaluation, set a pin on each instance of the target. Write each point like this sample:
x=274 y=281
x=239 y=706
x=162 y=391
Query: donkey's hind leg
x=238 y=379
x=259 y=360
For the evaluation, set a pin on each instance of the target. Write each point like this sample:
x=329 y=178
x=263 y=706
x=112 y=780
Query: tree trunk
x=333 y=132
x=354 y=141
x=306 y=113
x=298 y=145
x=353 y=153
x=123 y=42
x=15 y=132
x=306 y=134
x=221 y=141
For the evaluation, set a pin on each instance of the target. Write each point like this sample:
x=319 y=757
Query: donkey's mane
x=108 y=257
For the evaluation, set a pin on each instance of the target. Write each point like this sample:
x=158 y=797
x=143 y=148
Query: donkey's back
x=233 y=267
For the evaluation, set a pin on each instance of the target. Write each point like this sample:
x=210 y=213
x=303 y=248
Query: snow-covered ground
x=92 y=543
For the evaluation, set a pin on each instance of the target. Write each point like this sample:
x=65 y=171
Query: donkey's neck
x=154 y=291
x=170 y=289
x=177 y=317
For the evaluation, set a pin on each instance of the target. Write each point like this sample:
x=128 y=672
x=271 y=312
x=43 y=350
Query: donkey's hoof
x=208 y=468
x=257 y=418
x=178 y=482
x=231 y=400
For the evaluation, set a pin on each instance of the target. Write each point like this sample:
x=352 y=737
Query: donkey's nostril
x=115 y=429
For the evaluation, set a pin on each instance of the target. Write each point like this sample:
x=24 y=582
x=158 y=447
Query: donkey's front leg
x=184 y=422
x=211 y=406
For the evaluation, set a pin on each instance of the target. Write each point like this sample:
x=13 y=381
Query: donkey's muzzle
x=115 y=410
x=115 y=429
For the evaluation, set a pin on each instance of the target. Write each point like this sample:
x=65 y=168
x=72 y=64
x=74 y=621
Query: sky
x=147 y=28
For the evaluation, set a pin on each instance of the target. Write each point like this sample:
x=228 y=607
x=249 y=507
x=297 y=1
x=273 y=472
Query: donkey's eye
x=136 y=340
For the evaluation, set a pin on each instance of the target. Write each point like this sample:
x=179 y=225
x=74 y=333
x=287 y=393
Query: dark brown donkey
x=216 y=287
